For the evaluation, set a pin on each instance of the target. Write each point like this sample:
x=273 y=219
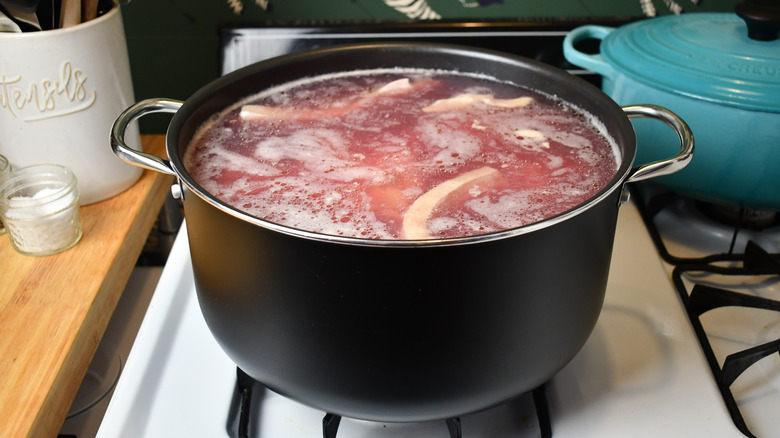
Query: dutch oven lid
x=706 y=55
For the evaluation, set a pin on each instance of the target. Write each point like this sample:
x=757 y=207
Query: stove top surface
x=641 y=373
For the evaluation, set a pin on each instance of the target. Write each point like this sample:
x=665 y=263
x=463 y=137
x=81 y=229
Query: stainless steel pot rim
x=616 y=183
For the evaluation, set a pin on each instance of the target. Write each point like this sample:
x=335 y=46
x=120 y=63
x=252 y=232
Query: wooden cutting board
x=54 y=310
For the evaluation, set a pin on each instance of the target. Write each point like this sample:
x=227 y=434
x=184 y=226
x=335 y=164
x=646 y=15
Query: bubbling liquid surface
x=356 y=154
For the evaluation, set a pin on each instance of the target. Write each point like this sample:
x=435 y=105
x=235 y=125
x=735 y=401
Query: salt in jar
x=40 y=208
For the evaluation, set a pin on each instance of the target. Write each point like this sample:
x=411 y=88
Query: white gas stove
x=642 y=372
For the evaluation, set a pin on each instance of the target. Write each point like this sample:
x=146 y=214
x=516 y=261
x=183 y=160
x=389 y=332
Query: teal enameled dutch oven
x=722 y=82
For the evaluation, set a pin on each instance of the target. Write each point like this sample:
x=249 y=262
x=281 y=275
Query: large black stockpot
x=400 y=330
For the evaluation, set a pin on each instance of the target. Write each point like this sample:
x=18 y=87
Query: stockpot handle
x=130 y=155
x=671 y=165
x=646 y=171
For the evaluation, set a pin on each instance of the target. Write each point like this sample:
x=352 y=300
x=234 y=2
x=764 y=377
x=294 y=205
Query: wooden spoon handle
x=89 y=9
x=71 y=13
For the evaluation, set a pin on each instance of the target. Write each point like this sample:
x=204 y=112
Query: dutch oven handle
x=130 y=155
x=593 y=62
x=671 y=165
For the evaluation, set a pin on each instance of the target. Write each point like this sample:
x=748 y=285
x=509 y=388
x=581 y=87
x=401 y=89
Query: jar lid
x=704 y=55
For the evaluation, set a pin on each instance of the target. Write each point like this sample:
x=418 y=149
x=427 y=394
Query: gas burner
x=747 y=218
x=686 y=231
x=249 y=394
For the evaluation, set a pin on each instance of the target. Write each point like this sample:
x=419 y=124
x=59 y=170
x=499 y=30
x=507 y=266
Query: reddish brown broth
x=336 y=156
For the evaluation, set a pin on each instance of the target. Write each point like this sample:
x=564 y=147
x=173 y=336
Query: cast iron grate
x=249 y=393
x=701 y=298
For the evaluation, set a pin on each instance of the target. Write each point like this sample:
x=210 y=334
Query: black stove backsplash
x=242 y=46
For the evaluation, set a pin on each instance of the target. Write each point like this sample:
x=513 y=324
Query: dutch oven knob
x=762 y=18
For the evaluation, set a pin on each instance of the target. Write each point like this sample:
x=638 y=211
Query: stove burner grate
x=249 y=393
x=698 y=298
x=703 y=298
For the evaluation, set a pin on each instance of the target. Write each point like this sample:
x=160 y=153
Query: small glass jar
x=40 y=208
x=5 y=169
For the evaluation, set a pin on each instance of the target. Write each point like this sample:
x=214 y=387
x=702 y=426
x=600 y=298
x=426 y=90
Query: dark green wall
x=174 y=44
